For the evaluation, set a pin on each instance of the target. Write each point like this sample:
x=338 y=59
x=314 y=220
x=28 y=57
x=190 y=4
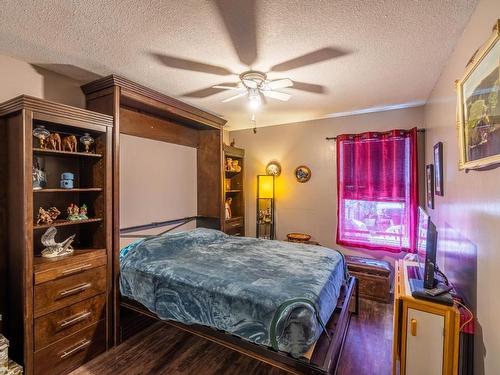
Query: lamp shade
x=265 y=186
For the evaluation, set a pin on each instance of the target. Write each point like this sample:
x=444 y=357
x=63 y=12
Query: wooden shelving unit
x=58 y=190
x=62 y=223
x=77 y=154
x=236 y=224
x=51 y=290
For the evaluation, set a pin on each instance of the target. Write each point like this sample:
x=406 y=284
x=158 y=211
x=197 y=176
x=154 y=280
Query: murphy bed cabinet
x=425 y=333
x=56 y=310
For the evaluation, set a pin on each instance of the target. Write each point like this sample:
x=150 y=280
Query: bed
x=277 y=295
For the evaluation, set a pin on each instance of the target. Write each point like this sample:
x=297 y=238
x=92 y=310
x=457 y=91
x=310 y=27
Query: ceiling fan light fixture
x=254 y=99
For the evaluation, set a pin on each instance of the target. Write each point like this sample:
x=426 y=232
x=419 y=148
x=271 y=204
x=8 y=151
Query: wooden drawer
x=61 y=323
x=56 y=294
x=72 y=351
x=52 y=269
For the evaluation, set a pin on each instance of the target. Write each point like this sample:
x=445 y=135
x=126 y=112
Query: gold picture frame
x=478 y=107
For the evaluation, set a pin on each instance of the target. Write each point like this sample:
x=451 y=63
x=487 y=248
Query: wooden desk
x=425 y=333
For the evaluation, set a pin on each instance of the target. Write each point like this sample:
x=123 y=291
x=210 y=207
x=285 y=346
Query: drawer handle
x=77 y=289
x=413 y=327
x=234 y=225
x=79 y=346
x=81 y=268
x=74 y=319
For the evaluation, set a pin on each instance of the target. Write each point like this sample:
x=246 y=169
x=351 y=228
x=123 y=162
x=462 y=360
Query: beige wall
x=471 y=202
x=18 y=77
x=310 y=207
x=156 y=194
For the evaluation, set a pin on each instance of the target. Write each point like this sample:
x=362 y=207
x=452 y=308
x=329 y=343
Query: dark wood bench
x=374 y=277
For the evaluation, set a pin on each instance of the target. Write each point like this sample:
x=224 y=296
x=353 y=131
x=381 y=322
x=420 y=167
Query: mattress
x=272 y=293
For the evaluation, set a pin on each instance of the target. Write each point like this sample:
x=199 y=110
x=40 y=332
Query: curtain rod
x=335 y=138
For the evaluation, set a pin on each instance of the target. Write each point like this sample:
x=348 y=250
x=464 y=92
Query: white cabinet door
x=424 y=343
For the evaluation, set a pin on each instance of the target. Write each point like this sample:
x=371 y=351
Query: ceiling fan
x=257 y=87
x=239 y=20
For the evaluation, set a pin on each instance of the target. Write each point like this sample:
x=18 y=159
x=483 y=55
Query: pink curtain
x=377 y=186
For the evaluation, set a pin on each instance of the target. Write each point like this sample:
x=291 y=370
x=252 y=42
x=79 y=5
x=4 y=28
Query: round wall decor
x=273 y=168
x=302 y=173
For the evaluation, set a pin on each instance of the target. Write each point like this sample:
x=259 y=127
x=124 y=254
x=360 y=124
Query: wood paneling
x=138 y=96
x=19 y=320
x=209 y=159
x=3 y=222
x=163 y=350
x=107 y=101
x=147 y=126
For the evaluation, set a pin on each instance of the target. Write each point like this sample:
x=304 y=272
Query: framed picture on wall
x=478 y=109
x=429 y=183
x=438 y=169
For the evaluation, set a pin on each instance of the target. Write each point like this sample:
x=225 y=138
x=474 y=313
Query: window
x=377 y=187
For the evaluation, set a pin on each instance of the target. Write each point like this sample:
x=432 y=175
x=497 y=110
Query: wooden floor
x=159 y=350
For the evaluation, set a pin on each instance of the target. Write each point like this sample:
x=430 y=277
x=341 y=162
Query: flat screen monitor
x=426 y=248
x=430 y=256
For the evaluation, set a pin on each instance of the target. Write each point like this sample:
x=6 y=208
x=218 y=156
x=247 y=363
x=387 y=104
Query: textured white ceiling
x=393 y=51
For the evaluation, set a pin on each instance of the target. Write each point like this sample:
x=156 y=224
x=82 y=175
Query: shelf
x=62 y=223
x=43 y=151
x=234 y=218
x=232 y=173
x=233 y=191
x=59 y=190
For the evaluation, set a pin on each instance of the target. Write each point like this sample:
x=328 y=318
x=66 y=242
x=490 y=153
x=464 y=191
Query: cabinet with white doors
x=425 y=333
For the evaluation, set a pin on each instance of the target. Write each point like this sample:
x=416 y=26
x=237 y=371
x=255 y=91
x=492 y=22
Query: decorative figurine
x=38 y=174
x=83 y=212
x=69 y=143
x=87 y=140
x=228 y=208
x=55 y=141
x=229 y=164
x=235 y=167
x=67 y=180
x=47 y=216
x=42 y=134
x=77 y=213
x=53 y=248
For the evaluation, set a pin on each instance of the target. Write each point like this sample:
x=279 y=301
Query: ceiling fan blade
x=239 y=20
x=262 y=97
x=185 y=64
x=309 y=87
x=277 y=95
x=278 y=84
x=231 y=98
x=208 y=91
x=250 y=83
x=310 y=58
x=227 y=87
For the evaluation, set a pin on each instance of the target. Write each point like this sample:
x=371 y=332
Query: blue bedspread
x=271 y=293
